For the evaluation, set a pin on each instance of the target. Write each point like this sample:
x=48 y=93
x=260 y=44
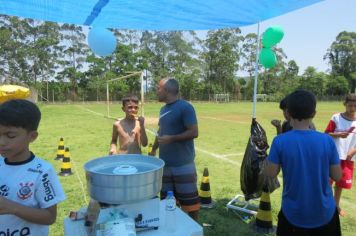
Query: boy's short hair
x=20 y=113
x=283 y=103
x=350 y=98
x=301 y=104
x=129 y=98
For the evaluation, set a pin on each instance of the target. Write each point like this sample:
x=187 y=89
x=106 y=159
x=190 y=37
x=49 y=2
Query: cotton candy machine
x=123 y=187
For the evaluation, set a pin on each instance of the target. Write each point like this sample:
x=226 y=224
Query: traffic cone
x=60 y=152
x=263 y=223
x=204 y=192
x=66 y=168
x=149 y=149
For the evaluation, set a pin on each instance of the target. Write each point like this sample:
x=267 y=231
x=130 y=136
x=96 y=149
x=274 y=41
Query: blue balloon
x=102 y=41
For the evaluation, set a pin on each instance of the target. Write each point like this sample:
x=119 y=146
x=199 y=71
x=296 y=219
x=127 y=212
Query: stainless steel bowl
x=120 y=179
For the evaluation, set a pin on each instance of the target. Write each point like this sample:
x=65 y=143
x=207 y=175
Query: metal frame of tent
x=286 y=6
x=236 y=203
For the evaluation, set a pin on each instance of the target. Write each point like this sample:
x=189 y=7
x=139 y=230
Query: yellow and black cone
x=149 y=149
x=66 y=168
x=60 y=151
x=204 y=192
x=263 y=223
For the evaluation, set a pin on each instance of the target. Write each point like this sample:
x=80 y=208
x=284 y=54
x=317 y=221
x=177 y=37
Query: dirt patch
x=151 y=120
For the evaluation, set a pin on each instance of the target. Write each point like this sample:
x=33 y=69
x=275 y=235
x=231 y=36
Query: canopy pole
x=142 y=95
x=256 y=73
x=107 y=98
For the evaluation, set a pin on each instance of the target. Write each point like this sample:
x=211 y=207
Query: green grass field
x=223 y=134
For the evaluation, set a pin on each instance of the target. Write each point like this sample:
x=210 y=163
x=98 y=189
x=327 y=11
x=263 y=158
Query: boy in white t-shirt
x=29 y=187
x=341 y=128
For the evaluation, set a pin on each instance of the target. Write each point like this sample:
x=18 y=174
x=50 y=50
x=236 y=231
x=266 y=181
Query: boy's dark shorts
x=285 y=228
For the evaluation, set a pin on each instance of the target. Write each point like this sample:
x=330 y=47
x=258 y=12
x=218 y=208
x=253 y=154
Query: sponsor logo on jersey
x=4 y=190
x=34 y=170
x=16 y=232
x=37 y=170
x=48 y=188
x=25 y=191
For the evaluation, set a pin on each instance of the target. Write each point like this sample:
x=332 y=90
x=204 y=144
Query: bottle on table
x=170 y=212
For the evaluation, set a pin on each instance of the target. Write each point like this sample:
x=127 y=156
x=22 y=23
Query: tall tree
x=172 y=54
x=183 y=61
x=13 y=56
x=248 y=53
x=289 y=80
x=6 y=51
x=75 y=51
x=42 y=42
x=342 y=57
x=221 y=56
x=292 y=70
x=337 y=86
x=313 y=81
x=273 y=79
x=156 y=46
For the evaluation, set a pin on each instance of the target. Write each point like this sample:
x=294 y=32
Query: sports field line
x=217 y=156
x=232 y=121
x=81 y=182
x=98 y=114
x=91 y=111
x=233 y=154
x=214 y=155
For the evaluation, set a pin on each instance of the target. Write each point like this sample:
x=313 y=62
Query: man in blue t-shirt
x=178 y=127
x=307 y=158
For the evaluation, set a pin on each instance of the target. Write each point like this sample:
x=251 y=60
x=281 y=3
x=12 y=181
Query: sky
x=309 y=32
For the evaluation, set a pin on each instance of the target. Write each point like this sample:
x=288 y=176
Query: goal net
x=132 y=74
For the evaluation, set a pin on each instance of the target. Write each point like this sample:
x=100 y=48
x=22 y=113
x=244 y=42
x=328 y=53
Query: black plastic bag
x=251 y=178
x=270 y=184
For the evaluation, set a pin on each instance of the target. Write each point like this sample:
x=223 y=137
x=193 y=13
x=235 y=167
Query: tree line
x=55 y=59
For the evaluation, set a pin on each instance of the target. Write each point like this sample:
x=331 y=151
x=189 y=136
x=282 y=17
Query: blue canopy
x=153 y=14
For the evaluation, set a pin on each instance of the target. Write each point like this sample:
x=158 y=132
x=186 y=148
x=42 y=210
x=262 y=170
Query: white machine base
x=185 y=226
x=147 y=211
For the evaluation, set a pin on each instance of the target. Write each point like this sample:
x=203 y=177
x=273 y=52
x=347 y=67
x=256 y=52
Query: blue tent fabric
x=153 y=14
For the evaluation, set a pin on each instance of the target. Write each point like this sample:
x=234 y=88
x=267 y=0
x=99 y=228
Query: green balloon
x=272 y=36
x=268 y=58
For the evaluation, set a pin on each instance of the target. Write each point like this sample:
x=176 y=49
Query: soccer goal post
x=135 y=73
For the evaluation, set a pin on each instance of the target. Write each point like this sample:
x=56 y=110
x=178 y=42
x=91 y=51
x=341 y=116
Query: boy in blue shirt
x=307 y=159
